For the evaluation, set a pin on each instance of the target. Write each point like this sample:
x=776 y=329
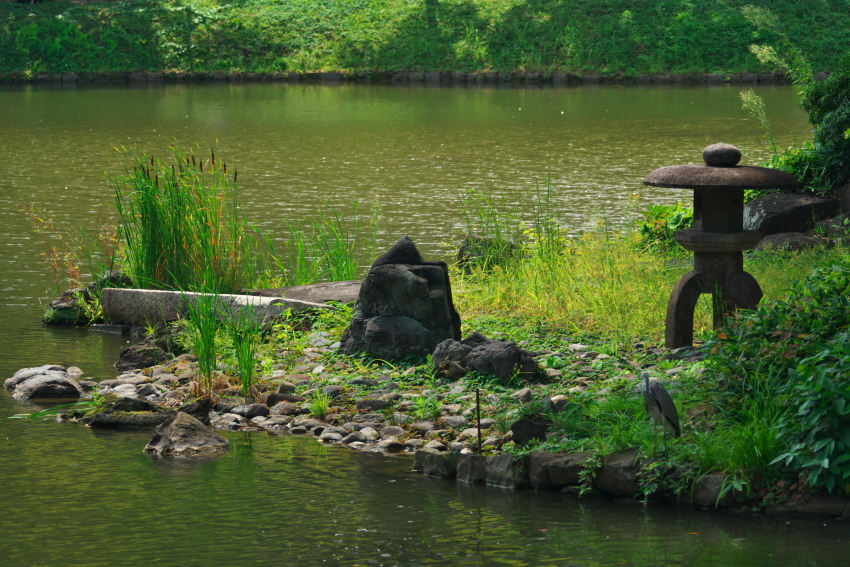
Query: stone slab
x=344 y=292
x=142 y=306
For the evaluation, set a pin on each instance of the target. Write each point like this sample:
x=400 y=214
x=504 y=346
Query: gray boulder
x=49 y=381
x=472 y=468
x=566 y=470
x=404 y=308
x=525 y=430
x=185 y=436
x=538 y=470
x=27 y=373
x=786 y=212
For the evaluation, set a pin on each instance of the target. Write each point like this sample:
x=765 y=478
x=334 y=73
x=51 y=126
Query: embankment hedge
x=611 y=37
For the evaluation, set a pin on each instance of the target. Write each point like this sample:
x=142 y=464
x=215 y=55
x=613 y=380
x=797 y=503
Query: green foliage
x=204 y=324
x=320 y=404
x=659 y=225
x=582 y=36
x=245 y=332
x=427 y=408
x=824 y=162
x=327 y=246
x=796 y=351
x=181 y=225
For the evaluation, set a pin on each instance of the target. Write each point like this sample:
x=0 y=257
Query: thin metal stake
x=478 y=415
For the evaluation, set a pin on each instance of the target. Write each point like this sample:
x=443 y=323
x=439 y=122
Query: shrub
x=798 y=350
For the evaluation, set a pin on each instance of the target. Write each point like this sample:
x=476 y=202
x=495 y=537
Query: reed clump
x=180 y=223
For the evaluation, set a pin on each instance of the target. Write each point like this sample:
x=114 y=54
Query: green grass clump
x=204 y=325
x=245 y=333
x=180 y=224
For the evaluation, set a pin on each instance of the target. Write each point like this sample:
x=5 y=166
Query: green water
x=74 y=497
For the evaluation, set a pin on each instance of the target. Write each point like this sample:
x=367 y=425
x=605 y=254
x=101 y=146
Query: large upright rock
x=404 y=308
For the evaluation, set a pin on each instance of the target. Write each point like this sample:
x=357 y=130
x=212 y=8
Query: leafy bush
x=824 y=162
x=797 y=350
x=660 y=223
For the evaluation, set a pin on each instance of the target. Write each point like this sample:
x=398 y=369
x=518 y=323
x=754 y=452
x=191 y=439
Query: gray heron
x=662 y=410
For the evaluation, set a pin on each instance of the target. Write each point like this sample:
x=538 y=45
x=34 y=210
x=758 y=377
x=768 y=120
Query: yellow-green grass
x=601 y=283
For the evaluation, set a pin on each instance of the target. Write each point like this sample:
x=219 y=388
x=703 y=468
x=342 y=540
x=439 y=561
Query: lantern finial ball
x=721 y=155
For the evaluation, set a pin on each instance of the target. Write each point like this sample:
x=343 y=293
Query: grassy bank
x=615 y=37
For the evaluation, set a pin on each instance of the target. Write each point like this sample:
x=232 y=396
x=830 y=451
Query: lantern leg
x=680 y=311
x=744 y=290
x=740 y=290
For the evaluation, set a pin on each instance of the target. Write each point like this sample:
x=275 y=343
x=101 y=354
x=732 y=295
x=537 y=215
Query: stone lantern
x=718 y=238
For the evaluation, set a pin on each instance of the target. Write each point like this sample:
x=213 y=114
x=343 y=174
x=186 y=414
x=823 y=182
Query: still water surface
x=73 y=497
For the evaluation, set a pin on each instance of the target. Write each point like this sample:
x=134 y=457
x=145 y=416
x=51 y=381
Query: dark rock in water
x=185 y=436
x=618 y=475
x=501 y=358
x=132 y=405
x=129 y=413
x=505 y=470
x=129 y=420
x=786 y=212
x=66 y=311
x=49 y=381
x=538 y=469
x=434 y=463
x=472 y=468
x=27 y=373
x=404 y=308
x=525 y=430
x=567 y=470
x=141 y=355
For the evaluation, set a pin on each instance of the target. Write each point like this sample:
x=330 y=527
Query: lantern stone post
x=718 y=238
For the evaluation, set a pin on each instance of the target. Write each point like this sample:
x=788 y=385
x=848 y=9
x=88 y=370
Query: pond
x=72 y=496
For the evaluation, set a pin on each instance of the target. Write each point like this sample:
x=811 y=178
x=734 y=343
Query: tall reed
x=203 y=309
x=181 y=224
x=245 y=332
x=328 y=246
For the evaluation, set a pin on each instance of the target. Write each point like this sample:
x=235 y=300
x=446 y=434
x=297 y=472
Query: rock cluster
x=503 y=359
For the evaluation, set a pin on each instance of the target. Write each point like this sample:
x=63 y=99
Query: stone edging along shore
x=487 y=78
x=442 y=448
